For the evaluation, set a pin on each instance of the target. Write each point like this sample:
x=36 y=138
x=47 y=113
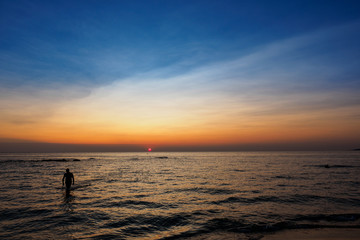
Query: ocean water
x=177 y=195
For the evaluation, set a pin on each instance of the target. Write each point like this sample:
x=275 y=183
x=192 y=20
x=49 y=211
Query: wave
x=44 y=160
x=332 y=166
x=293 y=199
x=255 y=228
x=211 y=191
x=133 y=204
x=171 y=226
x=330 y=218
x=22 y=212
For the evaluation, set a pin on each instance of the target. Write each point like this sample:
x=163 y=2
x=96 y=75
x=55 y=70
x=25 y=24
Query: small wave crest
x=216 y=191
x=332 y=166
x=294 y=199
x=255 y=228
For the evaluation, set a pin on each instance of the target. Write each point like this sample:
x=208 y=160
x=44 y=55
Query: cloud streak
x=281 y=87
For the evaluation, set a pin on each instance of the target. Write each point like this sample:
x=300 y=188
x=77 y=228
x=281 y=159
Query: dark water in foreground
x=176 y=195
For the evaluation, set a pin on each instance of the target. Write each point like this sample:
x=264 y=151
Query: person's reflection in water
x=69 y=178
x=67 y=201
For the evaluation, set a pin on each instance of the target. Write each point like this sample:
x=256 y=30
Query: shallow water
x=176 y=195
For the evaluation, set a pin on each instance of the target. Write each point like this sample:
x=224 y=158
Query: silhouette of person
x=69 y=177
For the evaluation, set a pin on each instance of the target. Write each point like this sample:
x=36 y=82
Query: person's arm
x=63 y=179
x=73 y=178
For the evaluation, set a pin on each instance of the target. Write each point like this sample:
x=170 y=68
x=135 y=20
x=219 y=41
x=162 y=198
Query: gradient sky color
x=265 y=74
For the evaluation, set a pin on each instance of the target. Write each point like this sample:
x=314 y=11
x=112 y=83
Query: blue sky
x=96 y=41
x=240 y=64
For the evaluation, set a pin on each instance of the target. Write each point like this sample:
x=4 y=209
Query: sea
x=177 y=195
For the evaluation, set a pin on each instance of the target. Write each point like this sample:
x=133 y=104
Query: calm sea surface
x=176 y=195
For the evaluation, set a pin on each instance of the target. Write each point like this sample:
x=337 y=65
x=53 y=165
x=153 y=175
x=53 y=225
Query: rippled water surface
x=176 y=195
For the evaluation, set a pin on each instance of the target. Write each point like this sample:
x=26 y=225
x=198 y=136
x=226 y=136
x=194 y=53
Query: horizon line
x=36 y=147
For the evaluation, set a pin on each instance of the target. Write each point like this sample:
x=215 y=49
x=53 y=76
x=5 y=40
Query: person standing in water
x=69 y=178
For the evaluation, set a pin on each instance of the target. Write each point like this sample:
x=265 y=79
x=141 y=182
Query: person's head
x=67 y=170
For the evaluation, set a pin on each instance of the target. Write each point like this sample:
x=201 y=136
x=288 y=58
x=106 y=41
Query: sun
x=149 y=149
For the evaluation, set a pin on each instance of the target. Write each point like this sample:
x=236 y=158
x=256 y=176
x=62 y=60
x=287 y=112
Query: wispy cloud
x=296 y=79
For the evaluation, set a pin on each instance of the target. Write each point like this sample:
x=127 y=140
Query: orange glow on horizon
x=96 y=120
x=221 y=136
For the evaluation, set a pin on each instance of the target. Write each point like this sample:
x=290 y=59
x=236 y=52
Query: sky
x=179 y=75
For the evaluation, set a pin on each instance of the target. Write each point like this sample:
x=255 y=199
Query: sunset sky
x=188 y=75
